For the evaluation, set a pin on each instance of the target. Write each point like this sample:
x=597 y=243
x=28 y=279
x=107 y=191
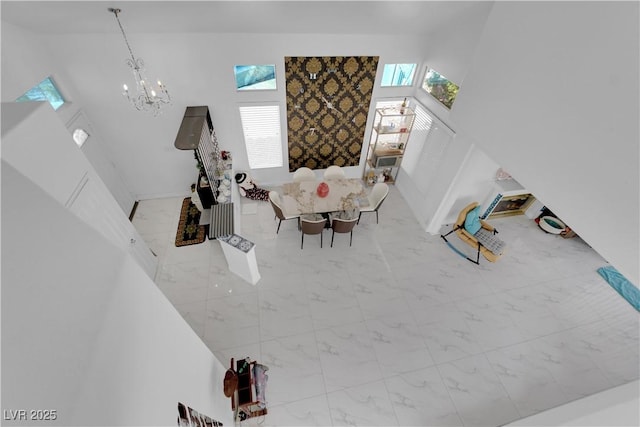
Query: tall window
x=44 y=91
x=440 y=88
x=423 y=120
x=262 y=137
x=398 y=74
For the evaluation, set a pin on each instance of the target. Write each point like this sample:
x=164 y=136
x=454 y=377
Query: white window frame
x=429 y=90
x=262 y=132
x=395 y=70
x=47 y=91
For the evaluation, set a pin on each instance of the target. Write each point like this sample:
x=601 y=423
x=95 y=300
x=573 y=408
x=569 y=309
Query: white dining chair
x=303 y=174
x=334 y=172
x=376 y=197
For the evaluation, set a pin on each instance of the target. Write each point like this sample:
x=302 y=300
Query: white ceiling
x=334 y=17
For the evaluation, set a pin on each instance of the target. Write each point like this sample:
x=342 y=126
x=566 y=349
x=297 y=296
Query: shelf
x=248 y=405
x=391 y=132
x=371 y=184
x=388 y=151
x=382 y=167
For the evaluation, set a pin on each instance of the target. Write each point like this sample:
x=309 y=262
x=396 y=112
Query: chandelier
x=148 y=96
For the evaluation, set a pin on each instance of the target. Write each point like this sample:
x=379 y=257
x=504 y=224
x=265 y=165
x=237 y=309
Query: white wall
x=451 y=50
x=26 y=61
x=448 y=167
x=552 y=96
x=197 y=69
x=40 y=147
x=451 y=54
x=85 y=331
x=30 y=61
x=474 y=182
x=93 y=149
x=34 y=141
x=428 y=169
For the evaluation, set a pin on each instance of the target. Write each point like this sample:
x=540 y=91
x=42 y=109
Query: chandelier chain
x=115 y=12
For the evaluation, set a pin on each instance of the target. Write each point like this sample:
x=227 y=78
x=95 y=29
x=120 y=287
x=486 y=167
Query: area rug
x=624 y=287
x=190 y=232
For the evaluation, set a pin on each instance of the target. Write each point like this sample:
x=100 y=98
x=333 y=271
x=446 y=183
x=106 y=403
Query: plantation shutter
x=262 y=136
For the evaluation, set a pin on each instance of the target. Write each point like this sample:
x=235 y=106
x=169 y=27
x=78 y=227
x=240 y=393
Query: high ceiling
x=311 y=17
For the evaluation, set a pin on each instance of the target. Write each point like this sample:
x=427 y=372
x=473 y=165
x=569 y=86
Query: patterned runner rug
x=189 y=231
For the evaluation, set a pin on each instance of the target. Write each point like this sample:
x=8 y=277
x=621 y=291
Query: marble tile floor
x=398 y=329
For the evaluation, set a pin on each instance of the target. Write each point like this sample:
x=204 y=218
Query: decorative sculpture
x=323 y=189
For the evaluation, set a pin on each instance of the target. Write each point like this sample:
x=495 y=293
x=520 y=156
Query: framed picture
x=255 y=77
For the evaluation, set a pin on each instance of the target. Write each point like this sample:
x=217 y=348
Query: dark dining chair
x=276 y=204
x=339 y=225
x=312 y=224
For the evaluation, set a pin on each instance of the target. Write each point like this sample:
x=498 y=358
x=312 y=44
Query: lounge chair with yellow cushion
x=476 y=233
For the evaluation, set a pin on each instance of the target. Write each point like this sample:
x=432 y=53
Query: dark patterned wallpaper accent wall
x=328 y=101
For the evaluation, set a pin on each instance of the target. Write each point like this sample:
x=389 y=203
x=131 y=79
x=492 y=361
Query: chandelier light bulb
x=125 y=88
x=153 y=93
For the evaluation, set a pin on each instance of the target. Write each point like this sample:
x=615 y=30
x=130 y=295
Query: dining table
x=299 y=198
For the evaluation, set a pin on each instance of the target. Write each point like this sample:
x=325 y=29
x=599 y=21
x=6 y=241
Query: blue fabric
x=455 y=250
x=624 y=287
x=472 y=221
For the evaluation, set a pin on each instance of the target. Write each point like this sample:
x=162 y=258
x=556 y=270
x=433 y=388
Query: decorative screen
x=208 y=152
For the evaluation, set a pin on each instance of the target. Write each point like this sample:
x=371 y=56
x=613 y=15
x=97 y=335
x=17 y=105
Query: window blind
x=423 y=120
x=262 y=136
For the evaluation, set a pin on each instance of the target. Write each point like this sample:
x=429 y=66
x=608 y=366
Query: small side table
x=241 y=257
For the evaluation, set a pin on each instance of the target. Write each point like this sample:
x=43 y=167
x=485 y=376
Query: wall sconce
x=80 y=136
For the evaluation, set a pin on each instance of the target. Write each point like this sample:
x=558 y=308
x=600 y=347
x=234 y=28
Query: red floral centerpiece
x=323 y=189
